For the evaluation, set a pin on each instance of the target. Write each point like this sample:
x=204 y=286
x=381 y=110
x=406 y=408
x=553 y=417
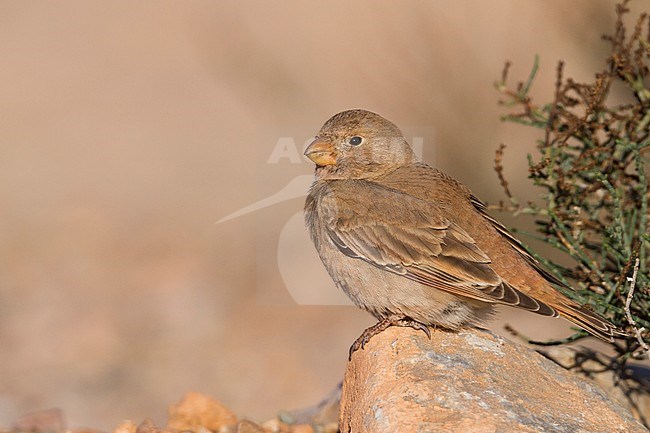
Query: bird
x=413 y=246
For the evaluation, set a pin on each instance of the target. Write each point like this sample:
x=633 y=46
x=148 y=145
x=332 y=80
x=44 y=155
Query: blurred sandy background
x=127 y=129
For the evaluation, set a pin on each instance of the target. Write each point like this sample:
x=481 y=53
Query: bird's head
x=358 y=144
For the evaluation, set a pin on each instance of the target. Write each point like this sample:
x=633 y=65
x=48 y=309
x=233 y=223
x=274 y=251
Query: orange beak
x=321 y=152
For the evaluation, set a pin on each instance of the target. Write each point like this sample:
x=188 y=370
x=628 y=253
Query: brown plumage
x=413 y=246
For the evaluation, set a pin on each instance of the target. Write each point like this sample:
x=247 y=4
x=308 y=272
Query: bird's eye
x=356 y=140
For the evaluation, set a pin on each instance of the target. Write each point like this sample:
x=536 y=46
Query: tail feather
x=590 y=321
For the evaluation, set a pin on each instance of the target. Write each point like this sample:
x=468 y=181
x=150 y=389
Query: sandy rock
x=126 y=427
x=276 y=426
x=470 y=381
x=632 y=391
x=148 y=426
x=197 y=412
x=302 y=428
x=246 y=426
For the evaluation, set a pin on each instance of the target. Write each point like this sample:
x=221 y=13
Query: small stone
x=332 y=427
x=286 y=417
x=147 y=426
x=301 y=428
x=246 y=426
x=126 y=427
x=196 y=410
x=272 y=425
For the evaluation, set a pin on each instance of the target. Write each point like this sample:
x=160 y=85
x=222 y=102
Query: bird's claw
x=417 y=326
x=364 y=338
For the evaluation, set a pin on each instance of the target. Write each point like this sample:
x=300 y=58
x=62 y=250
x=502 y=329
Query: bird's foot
x=384 y=324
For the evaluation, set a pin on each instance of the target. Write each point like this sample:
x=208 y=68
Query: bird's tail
x=590 y=321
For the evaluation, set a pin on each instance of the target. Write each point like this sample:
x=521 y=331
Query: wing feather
x=414 y=241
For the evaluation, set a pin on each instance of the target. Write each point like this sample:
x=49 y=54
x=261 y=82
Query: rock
x=301 y=428
x=197 y=412
x=469 y=381
x=147 y=426
x=126 y=427
x=276 y=426
x=632 y=390
x=245 y=426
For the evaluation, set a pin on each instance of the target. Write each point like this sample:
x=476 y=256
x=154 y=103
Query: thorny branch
x=592 y=166
x=630 y=294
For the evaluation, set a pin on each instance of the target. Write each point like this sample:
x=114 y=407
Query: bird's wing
x=405 y=235
x=587 y=319
x=516 y=244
